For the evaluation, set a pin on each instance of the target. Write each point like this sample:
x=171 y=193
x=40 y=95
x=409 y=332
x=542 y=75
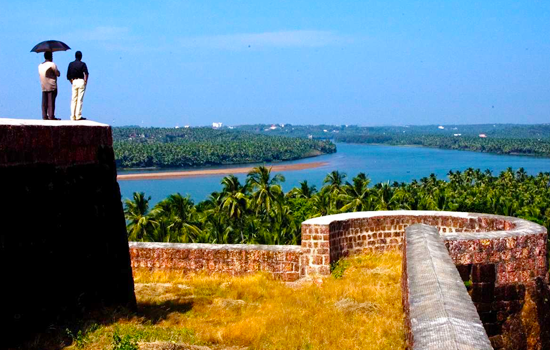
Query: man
x=77 y=74
x=48 y=73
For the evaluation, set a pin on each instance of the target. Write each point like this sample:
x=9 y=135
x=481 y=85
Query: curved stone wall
x=515 y=246
x=439 y=313
x=503 y=259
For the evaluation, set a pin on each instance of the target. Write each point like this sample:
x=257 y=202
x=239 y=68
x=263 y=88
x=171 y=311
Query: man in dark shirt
x=77 y=74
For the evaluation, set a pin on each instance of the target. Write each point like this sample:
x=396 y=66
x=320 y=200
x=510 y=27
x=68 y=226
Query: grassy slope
x=360 y=310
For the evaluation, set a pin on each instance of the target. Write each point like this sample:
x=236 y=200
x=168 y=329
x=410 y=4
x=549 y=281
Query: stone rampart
x=439 y=312
x=503 y=259
x=234 y=259
x=516 y=247
x=63 y=242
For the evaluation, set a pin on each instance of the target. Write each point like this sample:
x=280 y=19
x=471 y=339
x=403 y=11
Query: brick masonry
x=516 y=247
x=234 y=259
x=503 y=258
x=63 y=242
x=64 y=222
x=439 y=313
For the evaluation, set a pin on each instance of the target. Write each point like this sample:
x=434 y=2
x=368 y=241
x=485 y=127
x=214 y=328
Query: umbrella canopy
x=50 y=45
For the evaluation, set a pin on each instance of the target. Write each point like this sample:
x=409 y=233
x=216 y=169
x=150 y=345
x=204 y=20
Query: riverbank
x=211 y=172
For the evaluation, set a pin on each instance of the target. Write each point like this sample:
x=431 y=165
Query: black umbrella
x=50 y=45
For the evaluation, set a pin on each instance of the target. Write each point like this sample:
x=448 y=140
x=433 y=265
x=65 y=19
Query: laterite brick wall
x=63 y=241
x=502 y=258
x=439 y=313
x=234 y=259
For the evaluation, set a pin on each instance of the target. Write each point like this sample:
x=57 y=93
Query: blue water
x=380 y=163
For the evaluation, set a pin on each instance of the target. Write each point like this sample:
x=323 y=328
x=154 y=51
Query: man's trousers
x=79 y=88
x=48 y=104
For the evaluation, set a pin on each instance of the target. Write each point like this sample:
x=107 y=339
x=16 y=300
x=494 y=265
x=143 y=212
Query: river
x=380 y=163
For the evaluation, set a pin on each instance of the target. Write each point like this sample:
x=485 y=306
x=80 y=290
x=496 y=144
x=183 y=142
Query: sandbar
x=211 y=172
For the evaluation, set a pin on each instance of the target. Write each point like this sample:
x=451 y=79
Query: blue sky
x=167 y=63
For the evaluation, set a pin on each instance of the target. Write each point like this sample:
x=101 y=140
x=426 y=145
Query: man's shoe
x=56 y=119
x=82 y=118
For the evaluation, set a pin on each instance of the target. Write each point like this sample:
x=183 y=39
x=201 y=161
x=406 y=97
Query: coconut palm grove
x=259 y=212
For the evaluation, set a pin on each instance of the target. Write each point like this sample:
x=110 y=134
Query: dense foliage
x=514 y=131
x=137 y=147
x=499 y=138
x=259 y=212
x=527 y=146
x=187 y=147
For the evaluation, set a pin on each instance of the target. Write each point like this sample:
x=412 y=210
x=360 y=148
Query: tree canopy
x=259 y=212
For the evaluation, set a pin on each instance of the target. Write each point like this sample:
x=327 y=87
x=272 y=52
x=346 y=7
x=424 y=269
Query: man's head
x=48 y=56
x=78 y=55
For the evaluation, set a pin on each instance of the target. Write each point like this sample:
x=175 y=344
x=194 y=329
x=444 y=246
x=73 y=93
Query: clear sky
x=167 y=63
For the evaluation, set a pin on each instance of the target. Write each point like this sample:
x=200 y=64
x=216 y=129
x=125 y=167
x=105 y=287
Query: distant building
x=482 y=135
x=457 y=134
x=216 y=125
x=186 y=126
x=310 y=136
x=325 y=130
x=177 y=126
x=273 y=127
x=441 y=127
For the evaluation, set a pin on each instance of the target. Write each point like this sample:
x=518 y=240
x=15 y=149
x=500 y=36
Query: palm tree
x=233 y=200
x=181 y=213
x=335 y=180
x=304 y=191
x=322 y=202
x=136 y=213
x=357 y=196
x=266 y=190
x=384 y=194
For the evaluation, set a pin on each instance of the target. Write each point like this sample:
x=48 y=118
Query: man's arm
x=86 y=74
x=57 y=72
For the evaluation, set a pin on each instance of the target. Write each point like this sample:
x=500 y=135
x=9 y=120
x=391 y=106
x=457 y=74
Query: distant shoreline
x=211 y=172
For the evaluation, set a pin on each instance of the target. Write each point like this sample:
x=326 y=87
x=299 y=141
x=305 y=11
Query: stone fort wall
x=63 y=242
x=283 y=262
x=64 y=222
x=503 y=259
x=516 y=247
x=439 y=313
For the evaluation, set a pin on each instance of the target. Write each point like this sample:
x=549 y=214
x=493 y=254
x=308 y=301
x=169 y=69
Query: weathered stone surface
x=63 y=246
x=440 y=314
x=515 y=246
x=282 y=262
x=501 y=256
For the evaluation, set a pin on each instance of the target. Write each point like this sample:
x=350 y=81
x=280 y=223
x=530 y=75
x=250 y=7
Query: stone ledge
x=440 y=314
x=40 y=122
x=282 y=262
x=520 y=227
x=206 y=246
x=39 y=143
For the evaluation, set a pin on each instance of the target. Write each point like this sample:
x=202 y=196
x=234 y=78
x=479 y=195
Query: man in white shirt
x=48 y=73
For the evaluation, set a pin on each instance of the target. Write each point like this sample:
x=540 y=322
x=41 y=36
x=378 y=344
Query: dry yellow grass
x=360 y=310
